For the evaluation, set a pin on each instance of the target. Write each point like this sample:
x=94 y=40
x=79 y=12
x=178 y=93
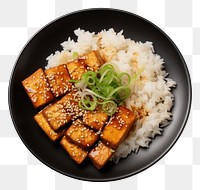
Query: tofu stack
x=111 y=136
x=82 y=134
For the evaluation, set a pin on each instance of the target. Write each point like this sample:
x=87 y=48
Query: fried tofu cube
x=56 y=115
x=58 y=78
x=44 y=125
x=76 y=153
x=100 y=155
x=93 y=60
x=118 y=127
x=70 y=102
x=70 y=105
x=37 y=88
x=81 y=135
x=95 y=119
x=76 y=68
x=63 y=111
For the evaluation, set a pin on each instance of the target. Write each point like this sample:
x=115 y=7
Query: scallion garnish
x=109 y=107
x=105 y=88
x=88 y=101
x=75 y=55
x=124 y=79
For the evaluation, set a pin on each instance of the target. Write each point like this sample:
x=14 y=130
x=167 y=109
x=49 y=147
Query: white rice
x=151 y=92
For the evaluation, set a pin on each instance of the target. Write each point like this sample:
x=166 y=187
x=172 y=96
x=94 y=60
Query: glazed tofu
x=76 y=68
x=95 y=119
x=58 y=78
x=93 y=60
x=63 y=111
x=70 y=102
x=118 y=127
x=37 y=88
x=56 y=113
x=100 y=155
x=44 y=125
x=76 y=153
x=81 y=135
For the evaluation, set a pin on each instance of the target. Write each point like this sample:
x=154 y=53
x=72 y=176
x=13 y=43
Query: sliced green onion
x=75 y=55
x=120 y=93
x=107 y=77
x=81 y=84
x=90 y=78
x=88 y=101
x=104 y=67
x=124 y=78
x=109 y=107
x=96 y=89
x=77 y=96
x=105 y=88
x=136 y=75
x=96 y=94
x=74 y=81
x=115 y=83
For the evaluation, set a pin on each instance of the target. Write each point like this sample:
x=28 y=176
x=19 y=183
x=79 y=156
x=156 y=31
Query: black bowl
x=48 y=40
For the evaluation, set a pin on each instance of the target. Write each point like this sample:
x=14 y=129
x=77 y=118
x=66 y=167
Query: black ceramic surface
x=47 y=41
